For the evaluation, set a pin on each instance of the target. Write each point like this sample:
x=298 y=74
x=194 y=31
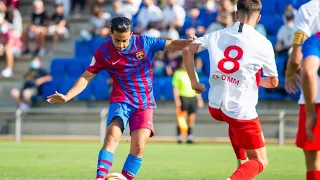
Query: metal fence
x=43 y=113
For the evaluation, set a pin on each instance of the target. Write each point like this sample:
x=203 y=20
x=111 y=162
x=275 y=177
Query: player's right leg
x=119 y=114
x=311 y=148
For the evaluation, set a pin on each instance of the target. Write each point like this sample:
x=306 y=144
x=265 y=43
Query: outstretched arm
x=77 y=88
x=178 y=45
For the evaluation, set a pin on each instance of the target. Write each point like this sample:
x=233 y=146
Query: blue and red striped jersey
x=130 y=69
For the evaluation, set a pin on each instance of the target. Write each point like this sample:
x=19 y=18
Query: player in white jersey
x=237 y=56
x=307 y=23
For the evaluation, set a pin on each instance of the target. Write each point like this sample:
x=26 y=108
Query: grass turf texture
x=165 y=161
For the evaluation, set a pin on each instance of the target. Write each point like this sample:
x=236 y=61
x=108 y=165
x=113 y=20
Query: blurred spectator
x=172 y=60
x=13 y=16
x=98 y=20
x=37 y=30
x=149 y=13
x=199 y=66
x=173 y=15
x=131 y=6
x=81 y=4
x=286 y=32
x=202 y=4
x=33 y=80
x=59 y=25
x=152 y=30
x=208 y=13
x=66 y=6
x=223 y=20
x=193 y=25
x=158 y=65
x=10 y=45
x=117 y=10
x=11 y=3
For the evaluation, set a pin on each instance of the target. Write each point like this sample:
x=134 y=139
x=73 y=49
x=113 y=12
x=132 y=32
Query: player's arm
x=310 y=81
x=188 y=60
x=295 y=58
x=269 y=69
x=178 y=45
x=77 y=88
x=269 y=82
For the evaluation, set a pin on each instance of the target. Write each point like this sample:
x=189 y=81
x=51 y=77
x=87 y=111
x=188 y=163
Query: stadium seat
x=157 y=88
x=272 y=23
x=268 y=7
x=96 y=43
x=167 y=88
x=66 y=84
x=49 y=88
x=57 y=68
x=103 y=74
x=82 y=49
x=300 y=3
x=204 y=80
x=85 y=95
x=281 y=5
x=74 y=68
x=264 y=95
x=273 y=39
x=204 y=55
x=281 y=65
x=100 y=89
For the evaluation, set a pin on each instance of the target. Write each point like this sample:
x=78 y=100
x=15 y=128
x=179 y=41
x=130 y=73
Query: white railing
x=19 y=115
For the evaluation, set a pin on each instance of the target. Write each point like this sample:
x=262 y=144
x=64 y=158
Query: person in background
x=187 y=101
x=33 y=80
x=59 y=25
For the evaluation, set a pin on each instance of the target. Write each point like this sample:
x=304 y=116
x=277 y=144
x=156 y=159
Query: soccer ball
x=115 y=176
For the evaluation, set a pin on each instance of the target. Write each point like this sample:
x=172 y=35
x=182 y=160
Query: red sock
x=248 y=170
x=240 y=153
x=129 y=176
x=313 y=175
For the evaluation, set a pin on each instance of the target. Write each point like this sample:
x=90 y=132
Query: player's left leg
x=141 y=129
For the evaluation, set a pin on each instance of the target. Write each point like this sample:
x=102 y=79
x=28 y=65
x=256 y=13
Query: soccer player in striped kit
x=128 y=59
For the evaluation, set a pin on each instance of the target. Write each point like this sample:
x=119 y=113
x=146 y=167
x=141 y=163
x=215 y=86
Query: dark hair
x=249 y=6
x=121 y=25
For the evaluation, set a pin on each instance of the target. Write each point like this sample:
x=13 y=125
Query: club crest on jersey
x=140 y=55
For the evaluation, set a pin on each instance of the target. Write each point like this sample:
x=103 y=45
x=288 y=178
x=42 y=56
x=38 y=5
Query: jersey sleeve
x=203 y=42
x=155 y=44
x=97 y=63
x=301 y=21
x=269 y=67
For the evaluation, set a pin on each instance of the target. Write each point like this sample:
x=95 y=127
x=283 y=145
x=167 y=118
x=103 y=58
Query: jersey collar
x=245 y=28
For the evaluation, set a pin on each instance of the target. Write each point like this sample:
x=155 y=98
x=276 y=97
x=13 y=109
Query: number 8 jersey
x=237 y=56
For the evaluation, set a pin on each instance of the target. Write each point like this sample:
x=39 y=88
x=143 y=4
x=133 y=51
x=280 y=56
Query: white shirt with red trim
x=237 y=55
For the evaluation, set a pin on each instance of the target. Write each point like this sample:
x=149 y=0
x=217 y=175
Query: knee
x=138 y=149
x=110 y=141
x=15 y=93
x=264 y=162
x=26 y=94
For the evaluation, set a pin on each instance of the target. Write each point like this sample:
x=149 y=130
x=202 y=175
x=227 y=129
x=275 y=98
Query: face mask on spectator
x=291 y=24
x=35 y=64
x=210 y=5
x=4 y=29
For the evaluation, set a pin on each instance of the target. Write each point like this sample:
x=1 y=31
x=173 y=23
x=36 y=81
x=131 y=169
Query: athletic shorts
x=189 y=104
x=311 y=47
x=136 y=118
x=247 y=133
x=301 y=139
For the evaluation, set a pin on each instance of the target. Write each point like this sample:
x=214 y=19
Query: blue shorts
x=311 y=47
x=136 y=118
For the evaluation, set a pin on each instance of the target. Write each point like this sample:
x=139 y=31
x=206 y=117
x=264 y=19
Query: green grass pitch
x=163 y=161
